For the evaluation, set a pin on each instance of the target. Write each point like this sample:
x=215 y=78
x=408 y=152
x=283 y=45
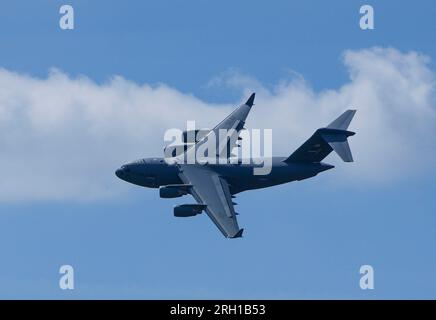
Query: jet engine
x=174 y=190
x=188 y=210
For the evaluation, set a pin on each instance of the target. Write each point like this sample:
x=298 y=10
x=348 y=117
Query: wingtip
x=250 y=101
x=238 y=234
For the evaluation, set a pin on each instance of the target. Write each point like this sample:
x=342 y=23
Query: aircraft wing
x=233 y=123
x=208 y=188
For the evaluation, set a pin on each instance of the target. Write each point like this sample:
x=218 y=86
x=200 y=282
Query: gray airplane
x=214 y=186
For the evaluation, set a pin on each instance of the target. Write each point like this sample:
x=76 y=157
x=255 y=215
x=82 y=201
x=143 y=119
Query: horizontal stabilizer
x=343 y=150
x=338 y=142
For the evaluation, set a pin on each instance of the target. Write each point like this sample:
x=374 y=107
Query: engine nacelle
x=188 y=210
x=173 y=191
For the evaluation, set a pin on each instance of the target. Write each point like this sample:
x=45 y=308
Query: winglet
x=250 y=100
x=238 y=234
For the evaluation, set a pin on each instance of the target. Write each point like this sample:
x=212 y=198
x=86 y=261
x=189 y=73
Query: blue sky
x=302 y=240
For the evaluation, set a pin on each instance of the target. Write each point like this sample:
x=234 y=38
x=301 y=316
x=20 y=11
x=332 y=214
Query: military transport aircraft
x=214 y=186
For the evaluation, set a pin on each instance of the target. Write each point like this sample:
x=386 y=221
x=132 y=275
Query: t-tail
x=325 y=140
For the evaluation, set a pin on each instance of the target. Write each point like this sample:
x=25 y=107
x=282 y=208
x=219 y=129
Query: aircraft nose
x=119 y=173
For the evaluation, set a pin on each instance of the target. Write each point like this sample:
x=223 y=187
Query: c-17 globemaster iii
x=214 y=185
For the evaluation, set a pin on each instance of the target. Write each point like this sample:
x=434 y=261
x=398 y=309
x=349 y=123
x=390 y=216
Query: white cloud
x=62 y=137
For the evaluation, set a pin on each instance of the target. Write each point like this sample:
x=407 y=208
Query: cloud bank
x=61 y=138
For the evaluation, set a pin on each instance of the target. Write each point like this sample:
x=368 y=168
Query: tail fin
x=325 y=140
x=343 y=121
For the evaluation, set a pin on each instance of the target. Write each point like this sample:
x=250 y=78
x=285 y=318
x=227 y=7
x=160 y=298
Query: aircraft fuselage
x=155 y=172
